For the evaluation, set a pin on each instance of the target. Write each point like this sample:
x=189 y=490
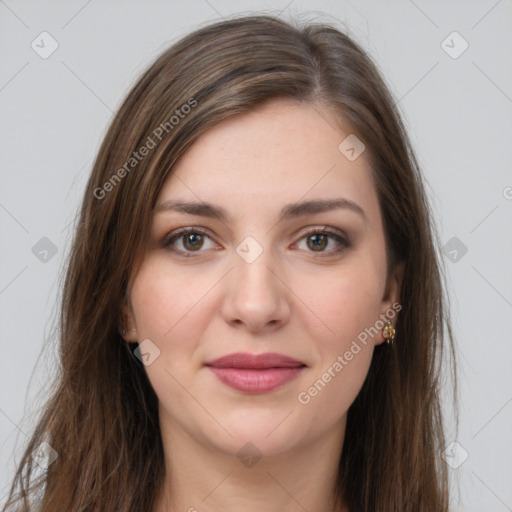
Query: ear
x=393 y=287
x=390 y=300
x=127 y=323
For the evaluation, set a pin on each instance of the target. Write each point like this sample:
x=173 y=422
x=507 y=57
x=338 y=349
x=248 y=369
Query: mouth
x=251 y=373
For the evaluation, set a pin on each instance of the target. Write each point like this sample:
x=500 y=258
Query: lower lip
x=256 y=380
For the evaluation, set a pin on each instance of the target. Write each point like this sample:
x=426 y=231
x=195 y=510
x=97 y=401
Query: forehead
x=276 y=154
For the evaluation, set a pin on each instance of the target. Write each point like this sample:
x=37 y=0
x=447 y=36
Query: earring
x=389 y=332
x=124 y=332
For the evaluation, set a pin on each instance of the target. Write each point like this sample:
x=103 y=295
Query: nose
x=256 y=296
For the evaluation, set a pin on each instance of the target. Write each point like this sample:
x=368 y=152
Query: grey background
x=458 y=110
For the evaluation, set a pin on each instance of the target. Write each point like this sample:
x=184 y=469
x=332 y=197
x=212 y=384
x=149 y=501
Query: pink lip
x=255 y=373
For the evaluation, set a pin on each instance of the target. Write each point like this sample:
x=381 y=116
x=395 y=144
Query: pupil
x=318 y=241
x=192 y=241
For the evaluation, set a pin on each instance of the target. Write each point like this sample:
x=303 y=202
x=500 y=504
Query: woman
x=253 y=313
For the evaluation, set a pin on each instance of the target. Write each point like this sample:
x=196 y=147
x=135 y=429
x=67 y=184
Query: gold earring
x=389 y=332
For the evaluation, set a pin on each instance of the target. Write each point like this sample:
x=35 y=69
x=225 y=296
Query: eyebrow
x=289 y=211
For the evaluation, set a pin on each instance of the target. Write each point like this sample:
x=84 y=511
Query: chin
x=271 y=431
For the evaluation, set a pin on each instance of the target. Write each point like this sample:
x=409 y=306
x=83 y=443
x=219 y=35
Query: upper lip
x=257 y=361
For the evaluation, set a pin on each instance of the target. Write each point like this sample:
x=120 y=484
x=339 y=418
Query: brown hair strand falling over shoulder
x=109 y=444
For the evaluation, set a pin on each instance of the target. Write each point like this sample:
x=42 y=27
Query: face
x=270 y=267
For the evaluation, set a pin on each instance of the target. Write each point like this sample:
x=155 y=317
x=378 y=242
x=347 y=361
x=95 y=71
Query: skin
x=290 y=300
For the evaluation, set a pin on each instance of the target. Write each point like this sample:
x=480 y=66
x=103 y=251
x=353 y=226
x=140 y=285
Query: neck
x=201 y=478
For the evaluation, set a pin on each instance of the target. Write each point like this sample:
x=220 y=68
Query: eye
x=187 y=241
x=317 y=240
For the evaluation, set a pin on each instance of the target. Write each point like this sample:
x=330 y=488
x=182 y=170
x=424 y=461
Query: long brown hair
x=102 y=418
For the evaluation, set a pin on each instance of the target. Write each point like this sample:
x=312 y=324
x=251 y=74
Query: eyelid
x=310 y=230
x=339 y=236
x=176 y=234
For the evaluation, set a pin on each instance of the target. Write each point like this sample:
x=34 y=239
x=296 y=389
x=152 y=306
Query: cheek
x=345 y=357
x=171 y=309
x=327 y=397
x=348 y=306
x=346 y=302
x=165 y=300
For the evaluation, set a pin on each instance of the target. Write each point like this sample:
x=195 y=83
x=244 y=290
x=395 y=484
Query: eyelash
x=180 y=233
